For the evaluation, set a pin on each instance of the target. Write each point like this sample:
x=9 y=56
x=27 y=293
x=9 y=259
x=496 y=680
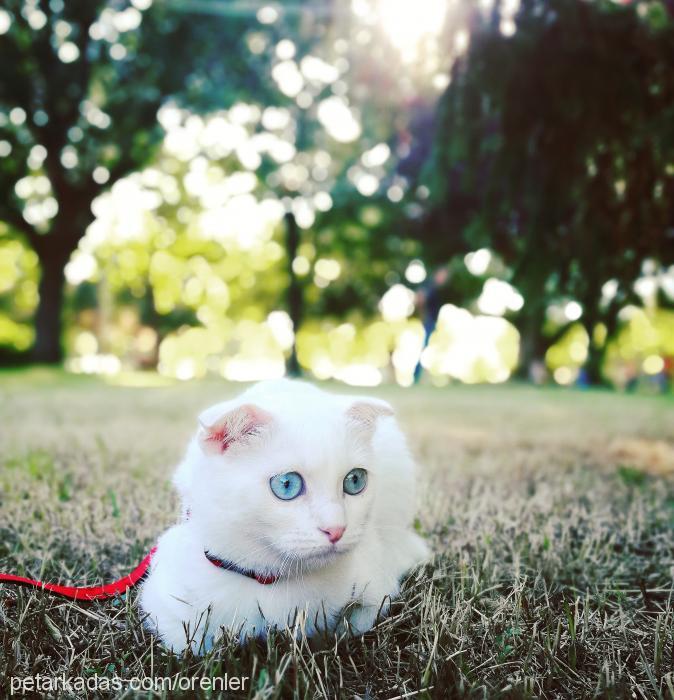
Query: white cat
x=296 y=504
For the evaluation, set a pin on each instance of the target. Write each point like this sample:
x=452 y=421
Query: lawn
x=551 y=513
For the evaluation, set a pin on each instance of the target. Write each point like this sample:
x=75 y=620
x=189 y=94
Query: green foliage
x=99 y=98
x=555 y=148
x=18 y=292
x=80 y=86
x=551 y=148
x=631 y=476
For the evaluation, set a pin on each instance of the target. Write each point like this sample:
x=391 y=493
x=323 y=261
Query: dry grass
x=551 y=513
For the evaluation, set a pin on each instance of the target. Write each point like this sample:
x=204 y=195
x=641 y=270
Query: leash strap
x=87 y=593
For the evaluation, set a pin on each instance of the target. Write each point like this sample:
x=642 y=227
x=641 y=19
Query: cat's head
x=275 y=481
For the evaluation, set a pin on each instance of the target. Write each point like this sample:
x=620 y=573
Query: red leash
x=89 y=593
x=110 y=590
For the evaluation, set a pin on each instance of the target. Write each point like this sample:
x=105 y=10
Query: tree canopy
x=81 y=83
x=555 y=149
x=228 y=186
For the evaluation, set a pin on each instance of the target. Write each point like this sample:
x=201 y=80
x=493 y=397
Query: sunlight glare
x=408 y=23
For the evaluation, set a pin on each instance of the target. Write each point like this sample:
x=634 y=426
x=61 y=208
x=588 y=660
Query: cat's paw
x=363 y=618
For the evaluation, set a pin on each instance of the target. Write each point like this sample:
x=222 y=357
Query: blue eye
x=287 y=486
x=355 y=481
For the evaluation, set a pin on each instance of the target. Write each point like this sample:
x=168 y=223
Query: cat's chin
x=318 y=557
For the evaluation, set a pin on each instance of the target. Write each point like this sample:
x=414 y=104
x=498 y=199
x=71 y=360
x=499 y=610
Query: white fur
x=235 y=516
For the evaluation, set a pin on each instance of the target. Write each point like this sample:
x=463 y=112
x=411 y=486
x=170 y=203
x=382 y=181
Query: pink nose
x=334 y=533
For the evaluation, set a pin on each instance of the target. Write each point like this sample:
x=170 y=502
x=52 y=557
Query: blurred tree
x=207 y=193
x=555 y=149
x=338 y=110
x=80 y=85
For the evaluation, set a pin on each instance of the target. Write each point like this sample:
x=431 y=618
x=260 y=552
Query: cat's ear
x=362 y=414
x=237 y=426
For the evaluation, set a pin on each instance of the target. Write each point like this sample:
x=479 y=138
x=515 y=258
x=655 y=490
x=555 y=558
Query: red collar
x=264 y=579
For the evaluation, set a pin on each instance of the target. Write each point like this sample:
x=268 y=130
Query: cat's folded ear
x=363 y=413
x=224 y=427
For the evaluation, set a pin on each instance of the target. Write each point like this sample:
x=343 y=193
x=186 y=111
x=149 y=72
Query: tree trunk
x=533 y=344
x=593 y=369
x=48 y=322
x=295 y=297
x=594 y=364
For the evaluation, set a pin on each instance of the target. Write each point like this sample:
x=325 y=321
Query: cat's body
x=270 y=491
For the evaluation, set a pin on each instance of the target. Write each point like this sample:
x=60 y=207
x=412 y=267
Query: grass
x=551 y=514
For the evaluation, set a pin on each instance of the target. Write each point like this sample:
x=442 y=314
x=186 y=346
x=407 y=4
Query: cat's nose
x=334 y=533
